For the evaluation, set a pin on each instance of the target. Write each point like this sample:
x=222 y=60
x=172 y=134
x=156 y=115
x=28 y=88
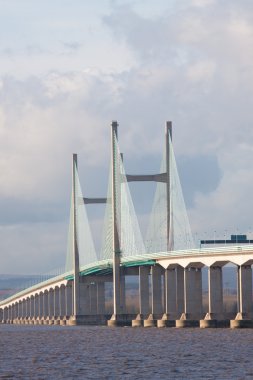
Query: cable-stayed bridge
x=166 y=262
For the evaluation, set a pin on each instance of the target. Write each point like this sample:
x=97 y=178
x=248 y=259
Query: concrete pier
x=215 y=316
x=192 y=298
x=156 y=297
x=101 y=298
x=244 y=313
x=143 y=296
x=170 y=299
x=159 y=294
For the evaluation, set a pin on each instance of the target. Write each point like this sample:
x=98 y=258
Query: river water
x=60 y=352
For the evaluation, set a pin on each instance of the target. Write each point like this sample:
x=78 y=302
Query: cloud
x=72 y=46
x=200 y=174
x=29 y=248
x=193 y=65
x=203 y=3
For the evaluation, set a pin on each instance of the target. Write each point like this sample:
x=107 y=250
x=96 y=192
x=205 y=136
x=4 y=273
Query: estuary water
x=60 y=352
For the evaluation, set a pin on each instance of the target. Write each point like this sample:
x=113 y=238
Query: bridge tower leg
x=168 y=138
x=115 y=319
x=166 y=321
x=76 y=286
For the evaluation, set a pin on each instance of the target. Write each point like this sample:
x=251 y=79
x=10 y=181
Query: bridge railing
x=35 y=287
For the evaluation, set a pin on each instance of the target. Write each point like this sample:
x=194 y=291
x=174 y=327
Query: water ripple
x=57 y=352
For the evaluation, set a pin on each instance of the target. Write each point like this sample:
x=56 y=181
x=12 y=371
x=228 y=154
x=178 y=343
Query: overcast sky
x=69 y=67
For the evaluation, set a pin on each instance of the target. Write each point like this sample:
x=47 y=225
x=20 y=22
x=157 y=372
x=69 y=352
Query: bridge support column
x=17 y=311
x=156 y=297
x=10 y=314
x=36 y=308
x=93 y=298
x=156 y=291
x=24 y=316
x=180 y=290
x=215 y=316
x=168 y=318
x=62 y=304
x=87 y=302
x=3 y=320
x=41 y=309
x=32 y=309
x=45 y=306
x=244 y=315
x=122 y=292
x=50 y=298
x=84 y=296
x=21 y=311
x=26 y=310
x=56 y=305
x=144 y=290
x=143 y=296
x=4 y=317
x=13 y=312
x=170 y=292
x=101 y=298
x=6 y=314
x=69 y=297
x=192 y=298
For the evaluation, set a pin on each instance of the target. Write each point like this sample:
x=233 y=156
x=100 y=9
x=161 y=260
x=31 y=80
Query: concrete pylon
x=115 y=318
x=101 y=297
x=192 y=298
x=244 y=293
x=144 y=272
x=156 y=297
x=76 y=286
x=168 y=137
x=169 y=317
x=215 y=315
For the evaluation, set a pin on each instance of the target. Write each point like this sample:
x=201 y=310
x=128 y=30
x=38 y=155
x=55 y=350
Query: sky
x=70 y=67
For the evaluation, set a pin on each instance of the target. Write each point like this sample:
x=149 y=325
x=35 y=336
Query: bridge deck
x=105 y=266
